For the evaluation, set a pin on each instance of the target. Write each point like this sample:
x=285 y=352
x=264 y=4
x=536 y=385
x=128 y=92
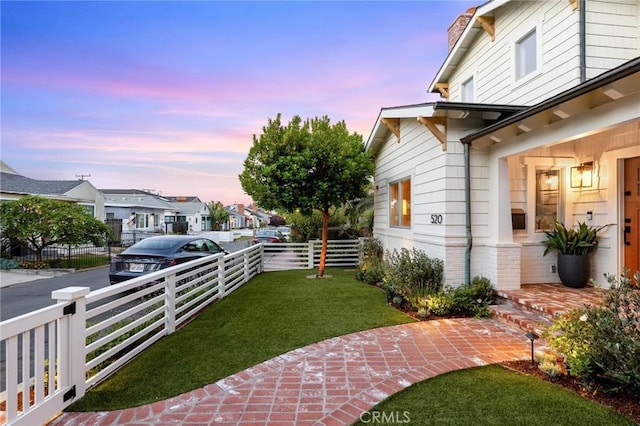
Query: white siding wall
x=612 y=34
x=437 y=185
x=613 y=37
x=492 y=63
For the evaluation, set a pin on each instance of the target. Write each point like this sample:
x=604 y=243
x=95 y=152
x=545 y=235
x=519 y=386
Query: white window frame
x=401 y=213
x=538 y=55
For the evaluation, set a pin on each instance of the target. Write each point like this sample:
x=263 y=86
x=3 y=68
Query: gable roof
x=451 y=110
x=135 y=198
x=18 y=184
x=460 y=48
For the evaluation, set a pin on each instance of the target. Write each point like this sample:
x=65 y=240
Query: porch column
x=499 y=202
x=503 y=255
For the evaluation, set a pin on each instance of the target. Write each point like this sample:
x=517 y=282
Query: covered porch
x=573 y=158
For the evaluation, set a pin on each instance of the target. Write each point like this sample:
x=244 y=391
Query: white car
x=286 y=231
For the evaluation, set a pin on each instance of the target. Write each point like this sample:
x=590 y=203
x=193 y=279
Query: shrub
x=413 y=273
x=472 y=300
x=550 y=368
x=8 y=264
x=440 y=304
x=603 y=341
x=371 y=268
x=34 y=264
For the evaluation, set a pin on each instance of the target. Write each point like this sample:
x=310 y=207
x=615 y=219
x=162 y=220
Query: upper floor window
x=467 y=91
x=400 y=203
x=526 y=55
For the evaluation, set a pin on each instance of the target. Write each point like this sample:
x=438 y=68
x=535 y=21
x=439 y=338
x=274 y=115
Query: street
x=29 y=296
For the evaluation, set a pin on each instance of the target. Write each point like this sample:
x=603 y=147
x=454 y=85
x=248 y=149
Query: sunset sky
x=166 y=96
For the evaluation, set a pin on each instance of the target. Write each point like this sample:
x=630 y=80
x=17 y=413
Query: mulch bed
x=622 y=402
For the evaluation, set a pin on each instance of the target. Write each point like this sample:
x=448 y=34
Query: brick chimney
x=241 y=208
x=455 y=30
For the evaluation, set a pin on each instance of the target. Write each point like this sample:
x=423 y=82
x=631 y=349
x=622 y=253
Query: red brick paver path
x=330 y=382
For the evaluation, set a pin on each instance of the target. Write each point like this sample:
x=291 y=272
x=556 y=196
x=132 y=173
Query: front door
x=631 y=228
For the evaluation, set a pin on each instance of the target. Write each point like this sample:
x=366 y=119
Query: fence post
x=245 y=258
x=310 y=253
x=170 y=303
x=221 y=278
x=73 y=356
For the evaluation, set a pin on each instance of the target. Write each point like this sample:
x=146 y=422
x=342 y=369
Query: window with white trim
x=467 y=91
x=526 y=55
x=400 y=203
x=547 y=199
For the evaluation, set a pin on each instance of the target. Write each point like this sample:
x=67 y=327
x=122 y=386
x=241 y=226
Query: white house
x=14 y=186
x=191 y=210
x=137 y=209
x=539 y=120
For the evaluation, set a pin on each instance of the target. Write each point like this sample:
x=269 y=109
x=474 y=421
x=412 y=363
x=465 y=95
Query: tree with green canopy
x=305 y=166
x=41 y=222
x=219 y=215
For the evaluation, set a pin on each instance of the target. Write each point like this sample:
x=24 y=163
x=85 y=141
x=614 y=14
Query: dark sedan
x=268 y=236
x=155 y=253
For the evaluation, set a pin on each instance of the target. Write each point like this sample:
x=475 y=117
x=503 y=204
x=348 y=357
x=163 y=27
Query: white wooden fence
x=50 y=357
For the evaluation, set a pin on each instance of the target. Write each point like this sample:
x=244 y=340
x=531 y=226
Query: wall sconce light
x=582 y=175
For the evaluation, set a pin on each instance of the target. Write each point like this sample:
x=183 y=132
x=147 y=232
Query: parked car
x=268 y=236
x=155 y=253
x=286 y=231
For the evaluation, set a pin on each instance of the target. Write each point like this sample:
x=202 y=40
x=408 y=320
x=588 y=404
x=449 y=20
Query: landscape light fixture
x=532 y=337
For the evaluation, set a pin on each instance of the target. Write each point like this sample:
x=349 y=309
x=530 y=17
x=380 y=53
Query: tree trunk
x=325 y=238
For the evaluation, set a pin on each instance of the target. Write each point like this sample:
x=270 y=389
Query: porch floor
x=534 y=306
x=554 y=299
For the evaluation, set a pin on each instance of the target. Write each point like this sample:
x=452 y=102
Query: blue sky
x=166 y=96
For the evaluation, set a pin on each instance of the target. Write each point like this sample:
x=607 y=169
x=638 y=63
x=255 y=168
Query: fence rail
x=50 y=357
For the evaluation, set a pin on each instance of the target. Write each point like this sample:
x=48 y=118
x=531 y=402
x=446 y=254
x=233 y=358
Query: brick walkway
x=330 y=382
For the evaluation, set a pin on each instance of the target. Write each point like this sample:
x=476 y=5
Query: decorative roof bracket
x=438 y=127
x=443 y=88
x=393 y=124
x=488 y=24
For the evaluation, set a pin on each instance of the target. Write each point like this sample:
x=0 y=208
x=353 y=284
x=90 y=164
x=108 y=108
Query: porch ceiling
x=612 y=86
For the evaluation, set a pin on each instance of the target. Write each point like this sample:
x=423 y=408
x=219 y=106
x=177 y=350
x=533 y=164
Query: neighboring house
x=237 y=216
x=259 y=217
x=540 y=121
x=14 y=186
x=192 y=210
x=137 y=209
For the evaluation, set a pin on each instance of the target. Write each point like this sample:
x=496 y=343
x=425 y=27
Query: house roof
x=135 y=198
x=183 y=199
x=18 y=184
x=436 y=110
x=460 y=48
x=188 y=208
x=610 y=86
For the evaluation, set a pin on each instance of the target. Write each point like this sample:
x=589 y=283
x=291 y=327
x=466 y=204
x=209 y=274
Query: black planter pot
x=574 y=270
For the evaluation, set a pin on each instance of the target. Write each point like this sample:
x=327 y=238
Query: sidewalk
x=331 y=382
x=19 y=276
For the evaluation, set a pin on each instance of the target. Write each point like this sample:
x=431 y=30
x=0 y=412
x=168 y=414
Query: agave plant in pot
x=573 y=246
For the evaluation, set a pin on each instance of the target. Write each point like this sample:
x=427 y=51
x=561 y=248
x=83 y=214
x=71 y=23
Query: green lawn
x=272 y=314
x=279 y=311
x=490 y=395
